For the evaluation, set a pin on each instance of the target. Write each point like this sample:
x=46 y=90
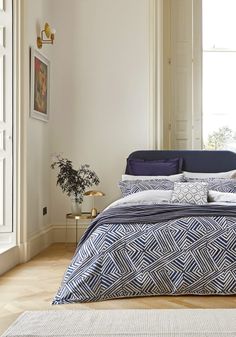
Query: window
x=182 y=66
x=6 y=96
x=219 y=74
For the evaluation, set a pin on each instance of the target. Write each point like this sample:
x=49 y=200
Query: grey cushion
x=217 y=184
x=133 y=186
x=190 y=193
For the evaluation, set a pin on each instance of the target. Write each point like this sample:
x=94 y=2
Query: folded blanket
x=153 y=214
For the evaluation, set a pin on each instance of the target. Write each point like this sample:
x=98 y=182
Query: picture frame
x=39 y=86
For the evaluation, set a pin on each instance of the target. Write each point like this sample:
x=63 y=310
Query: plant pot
x=75 y=206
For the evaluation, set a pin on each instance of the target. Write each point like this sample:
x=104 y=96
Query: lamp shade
x=94 y=193
x=47 y=29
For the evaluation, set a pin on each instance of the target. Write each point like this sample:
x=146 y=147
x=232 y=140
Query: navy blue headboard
x=194 y=161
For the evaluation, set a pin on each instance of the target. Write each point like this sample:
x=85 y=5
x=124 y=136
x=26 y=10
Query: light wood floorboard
x=31 y=286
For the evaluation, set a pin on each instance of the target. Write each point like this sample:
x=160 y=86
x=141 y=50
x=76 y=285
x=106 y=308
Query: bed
x=139 y=246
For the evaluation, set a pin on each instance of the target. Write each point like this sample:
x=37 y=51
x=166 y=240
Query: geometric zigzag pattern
x=192 y=255
x=190 y=193
x=128 y=187
x=220 y=185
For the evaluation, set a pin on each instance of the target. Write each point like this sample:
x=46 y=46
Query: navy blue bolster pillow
x=162 y=167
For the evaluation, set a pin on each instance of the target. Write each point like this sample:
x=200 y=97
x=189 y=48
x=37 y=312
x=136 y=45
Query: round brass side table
x=83 y=216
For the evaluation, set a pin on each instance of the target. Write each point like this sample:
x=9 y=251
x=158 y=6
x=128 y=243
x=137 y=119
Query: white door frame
x=21 y=66
x=18 y=253
x=156 y=74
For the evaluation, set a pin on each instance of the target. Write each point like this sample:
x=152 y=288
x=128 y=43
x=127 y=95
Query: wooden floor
x=31 y=286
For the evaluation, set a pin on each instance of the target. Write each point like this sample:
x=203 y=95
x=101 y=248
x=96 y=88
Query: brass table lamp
x=94 y=194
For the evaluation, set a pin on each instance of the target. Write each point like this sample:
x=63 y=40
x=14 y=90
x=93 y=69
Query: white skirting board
x=24 y=252
x=53 y=234
x=37 y=242
x=60 y=235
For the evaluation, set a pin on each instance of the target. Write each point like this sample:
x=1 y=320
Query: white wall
x=100 y=90
x=38 y=135
x=33 y=230
x=99 y=98
x=99 y=102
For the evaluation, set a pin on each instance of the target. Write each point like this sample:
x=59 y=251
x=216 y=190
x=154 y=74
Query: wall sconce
x=50 y=34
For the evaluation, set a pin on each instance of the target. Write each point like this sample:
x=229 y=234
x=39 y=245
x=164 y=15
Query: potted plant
x=74 y=182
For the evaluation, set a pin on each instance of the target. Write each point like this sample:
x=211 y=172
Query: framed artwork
x=40 y=86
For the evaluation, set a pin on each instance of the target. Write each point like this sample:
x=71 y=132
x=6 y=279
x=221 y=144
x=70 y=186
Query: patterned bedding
x=145 y=250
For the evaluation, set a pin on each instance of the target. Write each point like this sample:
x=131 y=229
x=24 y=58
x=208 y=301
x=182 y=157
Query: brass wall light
x=49 y=33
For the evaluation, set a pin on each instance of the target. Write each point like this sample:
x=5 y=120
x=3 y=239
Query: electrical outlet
x=45 y=210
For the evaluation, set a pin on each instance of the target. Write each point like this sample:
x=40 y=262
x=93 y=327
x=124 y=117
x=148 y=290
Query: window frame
x=7 y=229
x=207 y=49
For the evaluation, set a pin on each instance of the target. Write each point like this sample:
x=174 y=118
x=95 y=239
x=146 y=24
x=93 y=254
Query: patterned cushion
x=190 y=193
x=128 y=187
x=220 y=185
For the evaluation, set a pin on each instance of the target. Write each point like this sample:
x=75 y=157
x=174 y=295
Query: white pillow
x=144 y=197
x=227 y=175
x=221 y=196
x=175 y=177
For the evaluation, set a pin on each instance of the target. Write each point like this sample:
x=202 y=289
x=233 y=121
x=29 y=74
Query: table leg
x=76 y=224
x=66 y=232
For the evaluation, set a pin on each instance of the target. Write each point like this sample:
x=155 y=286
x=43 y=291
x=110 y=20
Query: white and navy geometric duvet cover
x=185 y=254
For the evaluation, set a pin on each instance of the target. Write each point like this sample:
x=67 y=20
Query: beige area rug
x=129 y=323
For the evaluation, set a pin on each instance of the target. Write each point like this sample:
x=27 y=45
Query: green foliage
x=220 y=138
x=74 y=182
